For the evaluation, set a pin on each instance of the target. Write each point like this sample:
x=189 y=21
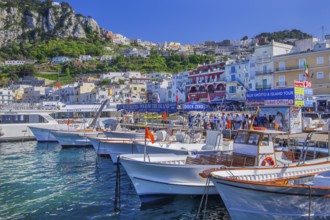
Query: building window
x=264 y=83
x=232 y=78
x=301 y=76
x=319 y=60
x=232 y=89
x=232 y=69
x=281 y=66
x=301 y=63
x=319 y=75
x=281 y=81
x=264 y=69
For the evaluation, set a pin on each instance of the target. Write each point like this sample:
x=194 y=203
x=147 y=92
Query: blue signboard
x=149 y=107
x=195 y=106
x=273 y=94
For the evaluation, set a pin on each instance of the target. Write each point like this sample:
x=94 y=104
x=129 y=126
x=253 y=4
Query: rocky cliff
x=30 y=20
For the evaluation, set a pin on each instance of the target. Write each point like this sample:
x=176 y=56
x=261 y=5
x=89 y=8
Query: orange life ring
x=259 y=128
x=269 y=161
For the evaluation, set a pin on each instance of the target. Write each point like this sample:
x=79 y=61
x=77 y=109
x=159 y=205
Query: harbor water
x=44 y=181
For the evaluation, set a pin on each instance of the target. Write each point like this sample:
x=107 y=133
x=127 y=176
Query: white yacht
x=16 y=119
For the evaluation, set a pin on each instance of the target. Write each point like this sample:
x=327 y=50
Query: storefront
x=277 y=109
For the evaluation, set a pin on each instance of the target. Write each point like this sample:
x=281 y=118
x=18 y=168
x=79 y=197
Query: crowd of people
x=234 y=121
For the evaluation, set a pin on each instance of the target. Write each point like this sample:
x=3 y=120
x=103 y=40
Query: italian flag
x=306 y=69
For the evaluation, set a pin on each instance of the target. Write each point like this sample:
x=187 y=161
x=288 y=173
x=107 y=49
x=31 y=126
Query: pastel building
x=207 y=81
x=290 y=68
x=240 y=78
x=264 y=64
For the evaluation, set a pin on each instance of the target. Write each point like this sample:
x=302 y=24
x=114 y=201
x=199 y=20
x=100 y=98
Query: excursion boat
x=157 y=176
x=43 y=134
x=116 y=146
x=113 y=147
x=16 y=119
x=292 y=192
x=14 y=124
x=185 y=144
x=76 y=138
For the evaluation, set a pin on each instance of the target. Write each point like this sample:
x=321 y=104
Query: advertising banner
x=295 y=120
x=273 y=94
x=149 y=107
x=195 y=106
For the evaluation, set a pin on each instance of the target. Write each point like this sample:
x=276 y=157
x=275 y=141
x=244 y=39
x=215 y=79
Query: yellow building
x=290 y=67
x=138 y=87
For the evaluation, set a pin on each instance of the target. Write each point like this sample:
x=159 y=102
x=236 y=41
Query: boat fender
x=268 y=161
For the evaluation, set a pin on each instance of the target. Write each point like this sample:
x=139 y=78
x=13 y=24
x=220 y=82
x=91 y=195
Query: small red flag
x=58 y=85
x=128 y=101
x=68 y=122
x=149 y=135
x=208 y=97
x=164 y=116
x=176 y=98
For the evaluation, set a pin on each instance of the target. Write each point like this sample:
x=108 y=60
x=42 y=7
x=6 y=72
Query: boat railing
x=281 y=175
x=306 y=146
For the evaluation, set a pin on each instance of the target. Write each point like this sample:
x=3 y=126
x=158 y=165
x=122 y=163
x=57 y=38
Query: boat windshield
x=247 y=138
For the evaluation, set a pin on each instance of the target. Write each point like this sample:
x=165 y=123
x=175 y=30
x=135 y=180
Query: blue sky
x=196 y=21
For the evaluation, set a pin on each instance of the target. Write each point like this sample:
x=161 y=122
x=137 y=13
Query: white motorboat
x=116 y=146
x=184 y=146
x=43 y=134
x=155 y=175
x=292 y=192
x=112 y=147
x=74 y=138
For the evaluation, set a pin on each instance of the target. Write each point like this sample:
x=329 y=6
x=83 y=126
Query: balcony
x=202 y=96
x=208 y=81
x=268 y=72
x=263 y=87
x=281 y=84
x=289 y=68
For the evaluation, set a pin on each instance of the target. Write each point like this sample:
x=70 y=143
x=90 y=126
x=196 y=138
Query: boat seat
x=208 y=160
x=238 y=161
x=243 y=160
x=193 y=160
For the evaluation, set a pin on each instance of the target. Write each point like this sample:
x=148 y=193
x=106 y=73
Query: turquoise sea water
x=44 y=181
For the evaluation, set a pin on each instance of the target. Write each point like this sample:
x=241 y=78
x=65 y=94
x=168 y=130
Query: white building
x=33 y=94
x=264 y=63
x=240 y=78
x=14 y=62
x=305 y=44
x=77 y=93
x=6 y=96
x=106 y=57
x=85 y=58
x=177 y=87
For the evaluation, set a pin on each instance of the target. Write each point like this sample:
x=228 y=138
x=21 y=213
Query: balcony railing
x=208 y=81
x=290 y=68
x=281 y=84
x=263 y=86
x=258 y=73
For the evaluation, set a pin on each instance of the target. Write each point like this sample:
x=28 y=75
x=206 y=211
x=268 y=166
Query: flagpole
x=145 y=143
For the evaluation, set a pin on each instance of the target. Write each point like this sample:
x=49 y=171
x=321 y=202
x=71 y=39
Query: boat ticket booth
x=278 y=110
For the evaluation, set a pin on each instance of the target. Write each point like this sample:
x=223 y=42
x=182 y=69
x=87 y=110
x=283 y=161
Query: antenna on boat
x=98 y=114
x=253 y=118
